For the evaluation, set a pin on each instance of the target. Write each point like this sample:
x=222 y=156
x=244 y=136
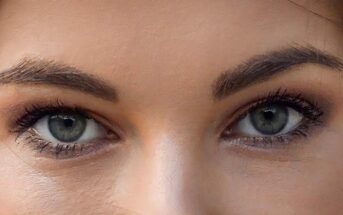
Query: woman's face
x=171 y=107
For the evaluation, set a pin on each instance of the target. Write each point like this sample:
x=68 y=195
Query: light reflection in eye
x=269 y=120
x=275 y=119
x=63 y=131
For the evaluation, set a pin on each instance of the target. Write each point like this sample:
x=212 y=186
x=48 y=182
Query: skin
x=163 y=57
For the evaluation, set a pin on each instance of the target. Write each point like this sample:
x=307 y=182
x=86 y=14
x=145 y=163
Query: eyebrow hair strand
x=30 y=71
x=263 y=67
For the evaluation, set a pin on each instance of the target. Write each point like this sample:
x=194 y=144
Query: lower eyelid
x=32 y=139
x=311 y=119
x=265 y=143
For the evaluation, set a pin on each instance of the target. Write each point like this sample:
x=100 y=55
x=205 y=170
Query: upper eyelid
x=58 y=105
x=280 y=96
x=256 y=69
x=265 y=66
x=30 y=134
x=243 y=109
x=233 y=116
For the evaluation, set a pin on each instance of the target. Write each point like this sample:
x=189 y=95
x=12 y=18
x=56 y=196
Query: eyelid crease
x=280 y=95
x=32 y=139
x=262 y=67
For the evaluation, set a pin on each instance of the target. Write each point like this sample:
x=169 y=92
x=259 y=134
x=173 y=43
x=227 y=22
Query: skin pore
x=169 y=83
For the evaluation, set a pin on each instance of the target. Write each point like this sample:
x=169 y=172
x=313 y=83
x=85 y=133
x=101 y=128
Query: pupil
x=269 y=120
x=68 y=123
x=269 y=115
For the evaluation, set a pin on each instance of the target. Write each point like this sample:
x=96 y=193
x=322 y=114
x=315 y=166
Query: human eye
x=273 y=121
x=62 y=132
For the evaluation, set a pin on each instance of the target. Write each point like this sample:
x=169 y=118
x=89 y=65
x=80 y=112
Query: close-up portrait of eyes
x=154 y=107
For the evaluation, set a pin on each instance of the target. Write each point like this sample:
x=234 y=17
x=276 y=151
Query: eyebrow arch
x=31 y=71
x=263 y=67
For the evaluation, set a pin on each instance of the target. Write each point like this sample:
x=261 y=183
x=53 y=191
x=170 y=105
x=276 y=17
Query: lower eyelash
x=59 y=150
x=312 y=118
x=274 y=142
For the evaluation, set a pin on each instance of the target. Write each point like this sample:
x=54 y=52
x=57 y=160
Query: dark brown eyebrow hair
x=32 y=71
x=263 y=67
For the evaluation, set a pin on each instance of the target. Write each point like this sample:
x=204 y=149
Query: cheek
x=308 y=184
x=26 y=188
x=269 y=191
x=23 y=190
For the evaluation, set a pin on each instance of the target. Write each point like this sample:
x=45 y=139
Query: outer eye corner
x=265 y=125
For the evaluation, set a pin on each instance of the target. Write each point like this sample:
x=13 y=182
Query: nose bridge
x=169 y=165
x=169 y=148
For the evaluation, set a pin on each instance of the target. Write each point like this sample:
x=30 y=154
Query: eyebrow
x=43 y=72
x=261 y=68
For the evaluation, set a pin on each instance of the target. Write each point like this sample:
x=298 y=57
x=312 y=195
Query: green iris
x=67 y=127
x=269 y=119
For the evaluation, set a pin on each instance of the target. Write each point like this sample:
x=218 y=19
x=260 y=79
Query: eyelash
x=310 y=110
x=23 y=130
x=35 y=112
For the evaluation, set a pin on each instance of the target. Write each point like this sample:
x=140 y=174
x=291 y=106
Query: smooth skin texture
x=162 y=57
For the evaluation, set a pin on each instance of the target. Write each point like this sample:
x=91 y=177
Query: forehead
x=142 y=29
x=150 y=25
x=162 y=40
